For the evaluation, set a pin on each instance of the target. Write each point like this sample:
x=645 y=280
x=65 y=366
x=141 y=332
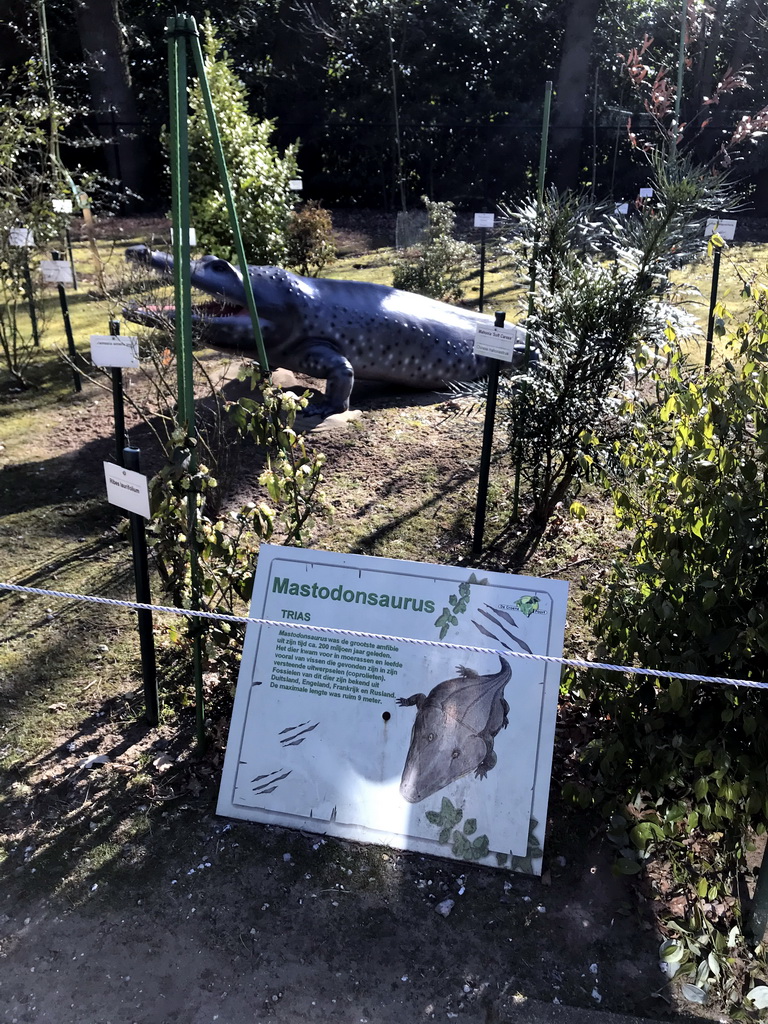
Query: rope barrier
x=442 y=644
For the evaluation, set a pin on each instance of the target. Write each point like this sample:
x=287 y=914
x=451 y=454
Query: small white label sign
x=127 y=490
x=295 y=184
x=484 y=220
x=62 y=206
x=114 y=350
x=622 y=208
x=725 y=228
x=22 y=238
x=192 y=237
x=56 y=272
x=498 y=342
x=646 y=193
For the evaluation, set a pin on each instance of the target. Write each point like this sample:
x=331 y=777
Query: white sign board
x=56 y=272
x=295 y=184
x=498 y=342
x=424 y=748
x=62 y=206
x=484 y=220
x=622 y=208
x=114 y=350
x=192 y=237
x=21 y=237
x=725 y=228
x=127 y=490
x=646 y=193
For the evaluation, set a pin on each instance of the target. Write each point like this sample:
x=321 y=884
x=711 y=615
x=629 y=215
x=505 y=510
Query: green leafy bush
x=311 y=247
x=435 y=269
x=599 y=315
x=258 y=173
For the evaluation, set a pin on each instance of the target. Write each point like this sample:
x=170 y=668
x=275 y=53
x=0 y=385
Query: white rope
x=549 y=659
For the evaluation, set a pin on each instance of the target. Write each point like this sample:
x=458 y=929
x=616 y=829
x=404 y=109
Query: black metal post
x=31 y=300
x=712 y=304
x=117 y=400
x=70 y=339
x=485 y=457
x=130 y=460
x=482 y=269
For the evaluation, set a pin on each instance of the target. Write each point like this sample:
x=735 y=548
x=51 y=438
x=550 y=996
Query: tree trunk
x=571 y=91
x=114 y=107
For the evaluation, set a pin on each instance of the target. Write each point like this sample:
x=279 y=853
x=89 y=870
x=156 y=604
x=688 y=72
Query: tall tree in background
x=117 y=122
x=571 y=90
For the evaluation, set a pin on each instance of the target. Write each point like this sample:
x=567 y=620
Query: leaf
x=694 y=993
x=625 y=866
x=470 y=826
x=758 y=996
x=577 y=510
x=672 y=952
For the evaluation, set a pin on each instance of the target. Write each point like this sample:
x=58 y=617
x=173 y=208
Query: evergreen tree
x=258 y=173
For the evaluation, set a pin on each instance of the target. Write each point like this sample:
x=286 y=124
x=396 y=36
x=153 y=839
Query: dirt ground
x=125 y=899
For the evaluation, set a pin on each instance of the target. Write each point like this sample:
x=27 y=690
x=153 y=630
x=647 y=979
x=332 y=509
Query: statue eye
x=455 y=754
x=430 y=737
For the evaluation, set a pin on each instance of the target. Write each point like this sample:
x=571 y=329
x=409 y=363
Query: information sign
x=21 y=238
x=646 y=193
x=498 y=342
x=192 y=237
x=622 y=208
x=62 y=206
x=126 y=489
x=56 y=272
x=295 y=184
x=419 y=747
x=484 y=220
x=114 y=350
x=725 y=228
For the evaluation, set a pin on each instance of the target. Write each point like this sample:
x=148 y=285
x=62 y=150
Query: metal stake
x=482 y=268
x=712 y=304
x=485 y=457
x=117 y=402
x=31 y=301
x=70 y=339
x=130 y=459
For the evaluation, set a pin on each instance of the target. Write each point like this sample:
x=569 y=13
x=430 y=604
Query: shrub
x=258 y=173
x=435 y=269
x=598 y=316
x=310 y=239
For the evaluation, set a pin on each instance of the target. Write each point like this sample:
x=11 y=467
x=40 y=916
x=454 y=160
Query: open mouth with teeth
x=209 y=309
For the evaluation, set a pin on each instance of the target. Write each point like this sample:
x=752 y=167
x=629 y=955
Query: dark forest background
x=459 y=85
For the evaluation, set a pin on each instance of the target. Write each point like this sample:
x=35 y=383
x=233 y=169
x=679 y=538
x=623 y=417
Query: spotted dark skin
x=455 y=727
x=334 y=330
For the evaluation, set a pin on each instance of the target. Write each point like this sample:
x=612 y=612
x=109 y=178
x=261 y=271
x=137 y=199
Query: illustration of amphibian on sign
x=454 y=731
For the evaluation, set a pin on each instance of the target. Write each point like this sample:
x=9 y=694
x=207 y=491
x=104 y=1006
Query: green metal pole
x=177 y=59
x=197 y=54
x=178 y=33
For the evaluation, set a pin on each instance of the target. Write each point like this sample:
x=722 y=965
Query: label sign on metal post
x=62 y=206
x=621 y=208
x=484 y=220
x=56 y=272
x=498 y=342
x=21 y=238
x=725 y=228
x=127 y=490
x=114 y=350
x=192 y=237
x=646 y=193
x=295 y=184
x=386 y=741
